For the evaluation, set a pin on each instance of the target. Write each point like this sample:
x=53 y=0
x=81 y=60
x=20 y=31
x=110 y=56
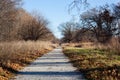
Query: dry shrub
x=113 y=45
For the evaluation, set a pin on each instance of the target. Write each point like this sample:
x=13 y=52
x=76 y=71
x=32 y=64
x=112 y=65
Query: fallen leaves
x=94 y=64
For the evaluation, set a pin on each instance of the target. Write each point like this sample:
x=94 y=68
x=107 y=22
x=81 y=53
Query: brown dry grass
x=87 y=45
x=97 y=61
x=95 y=64
x=113 y=45
x=14 y=55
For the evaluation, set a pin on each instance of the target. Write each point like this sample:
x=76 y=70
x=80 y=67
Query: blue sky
x=56 y=11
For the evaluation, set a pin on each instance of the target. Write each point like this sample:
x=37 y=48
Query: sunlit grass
x=96 y=64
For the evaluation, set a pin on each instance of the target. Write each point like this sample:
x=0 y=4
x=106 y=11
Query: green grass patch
x=95 y=64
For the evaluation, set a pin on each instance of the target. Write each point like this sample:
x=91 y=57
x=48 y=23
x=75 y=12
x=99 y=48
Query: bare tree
x=8 y=16
x=84 y=35
x=34 y=28
x=100 y=21
x=16 y=23
x=68 y=31
x=116 y=9
x=77 y=5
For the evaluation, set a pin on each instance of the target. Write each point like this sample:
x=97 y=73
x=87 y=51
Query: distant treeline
x=99 y=24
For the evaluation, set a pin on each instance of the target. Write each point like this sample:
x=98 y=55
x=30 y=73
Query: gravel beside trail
x=52 y=66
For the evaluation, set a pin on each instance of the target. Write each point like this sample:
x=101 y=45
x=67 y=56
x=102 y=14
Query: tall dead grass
x=86 y=45
x=9 y=49
x=14 y=55
x=113 y=45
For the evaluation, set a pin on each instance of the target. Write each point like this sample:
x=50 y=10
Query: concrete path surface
x=52 y=66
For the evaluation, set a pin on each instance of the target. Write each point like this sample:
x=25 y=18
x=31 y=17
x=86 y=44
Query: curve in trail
x=52 y=66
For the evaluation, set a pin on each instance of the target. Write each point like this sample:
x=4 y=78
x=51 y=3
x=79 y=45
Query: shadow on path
x=50 y=73
x=52 y=66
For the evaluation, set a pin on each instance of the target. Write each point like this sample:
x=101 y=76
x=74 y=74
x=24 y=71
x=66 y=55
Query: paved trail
x=51 y=66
